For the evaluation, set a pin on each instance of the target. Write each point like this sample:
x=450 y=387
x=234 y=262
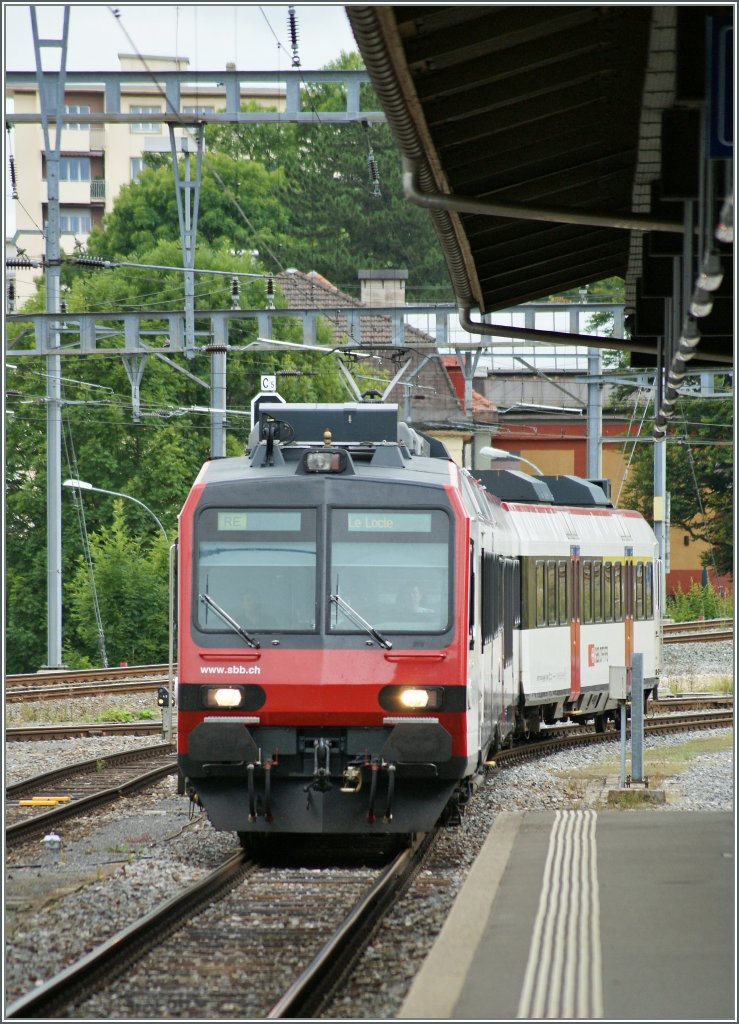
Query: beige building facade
x=97 y=160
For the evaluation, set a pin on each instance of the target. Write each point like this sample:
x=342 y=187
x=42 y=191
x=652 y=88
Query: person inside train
x=417 y=603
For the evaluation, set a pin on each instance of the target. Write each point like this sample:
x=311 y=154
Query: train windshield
x=259 y=566
x=392 y=568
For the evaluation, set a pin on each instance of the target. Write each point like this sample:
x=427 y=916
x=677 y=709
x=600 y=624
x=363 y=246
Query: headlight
x=325 y=461
x=418 y=698
x=405 y=697
x=223 y=696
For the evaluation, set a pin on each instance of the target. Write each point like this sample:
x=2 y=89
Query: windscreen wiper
x=239 y=630
x=359 y=621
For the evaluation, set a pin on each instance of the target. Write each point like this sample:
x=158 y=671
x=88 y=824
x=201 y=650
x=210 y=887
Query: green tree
x=131 y=582
x=154 y=457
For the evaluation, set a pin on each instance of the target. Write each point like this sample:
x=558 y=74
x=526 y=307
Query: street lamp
x=501 y=453
x=83 y=485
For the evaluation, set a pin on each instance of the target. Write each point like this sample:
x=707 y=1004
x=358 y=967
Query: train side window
x=516 y=594
x=552 y=593
x=618 y=610
x=471 y=625
x=488 y=597
x=562 y=602
x=607 y=592
x=498 y=584
x=541 y=616
x=648 y=591
x=597 y=591
x=509 y=605
x=639 y=578
x=587 y=591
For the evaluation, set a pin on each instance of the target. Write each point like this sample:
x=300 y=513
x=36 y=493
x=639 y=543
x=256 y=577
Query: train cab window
x=607 y=592
x=541 y=615
x=587 y=591
x=618 y=609
x=648 y=591
x=597 y=591
x=639 y=587
x=258 y=565
x=552 y=593
x=562 y=602
x=392 y=568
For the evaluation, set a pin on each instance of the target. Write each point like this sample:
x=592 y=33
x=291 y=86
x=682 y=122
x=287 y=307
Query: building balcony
x=97 y=190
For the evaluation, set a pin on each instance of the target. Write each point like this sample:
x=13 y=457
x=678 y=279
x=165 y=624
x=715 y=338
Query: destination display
x=377 y=521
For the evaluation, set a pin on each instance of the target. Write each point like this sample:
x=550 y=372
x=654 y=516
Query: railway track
x=698 y=631
x=247 y=921
x=66 y=677
x=550 y=741
x=271 y=934
x=41 y=803
x=26 y=733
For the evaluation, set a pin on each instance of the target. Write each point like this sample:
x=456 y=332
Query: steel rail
x=34 y=783
x=140 y=937
x=72 y=691
x=584 y=736
x=126 y=945
x=21 y=830
x=696 y=625
x=142 y=727
x=305 y=995
x=82 y=675
x=699 y=638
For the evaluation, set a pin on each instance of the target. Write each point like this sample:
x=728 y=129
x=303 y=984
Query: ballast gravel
x=112 y=870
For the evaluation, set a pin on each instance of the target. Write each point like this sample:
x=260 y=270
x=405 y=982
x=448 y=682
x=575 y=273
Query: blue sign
x=720 y=88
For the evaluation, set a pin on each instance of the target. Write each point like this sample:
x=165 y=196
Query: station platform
x=609 y=915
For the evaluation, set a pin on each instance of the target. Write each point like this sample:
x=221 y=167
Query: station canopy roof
x=559 y=146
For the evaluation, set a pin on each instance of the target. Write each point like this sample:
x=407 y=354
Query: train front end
x=321 y=666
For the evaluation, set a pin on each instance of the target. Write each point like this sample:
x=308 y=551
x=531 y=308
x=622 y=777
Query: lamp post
x=501 y=453
x=166 y=698
x=83 y=485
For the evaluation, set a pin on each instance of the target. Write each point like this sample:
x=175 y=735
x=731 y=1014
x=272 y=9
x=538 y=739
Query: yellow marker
x=44 y=801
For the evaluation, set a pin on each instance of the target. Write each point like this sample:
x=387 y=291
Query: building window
x=74 y=168
x=75 y=221
x=76 y=126
x=146 y=126
x=137 y=166
x=198 y=110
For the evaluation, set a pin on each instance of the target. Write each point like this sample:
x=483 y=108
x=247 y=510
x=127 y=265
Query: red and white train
x=361 y=623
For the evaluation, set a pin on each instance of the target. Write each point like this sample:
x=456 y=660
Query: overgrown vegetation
x=700 y=602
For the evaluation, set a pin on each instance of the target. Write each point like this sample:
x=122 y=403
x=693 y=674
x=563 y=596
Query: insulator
x=234 y=293
x=293 y=29
x=374 y=175
x=11 y=161
x=62 y=306
x=92 y=261
x=21 y=263
x=11 y=297
x=270 y=293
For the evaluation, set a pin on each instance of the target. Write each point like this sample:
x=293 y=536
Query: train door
x=628 y=612
x=510 y=623
x=575 y=621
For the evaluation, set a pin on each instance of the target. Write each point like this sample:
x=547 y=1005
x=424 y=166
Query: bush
x=699 y=603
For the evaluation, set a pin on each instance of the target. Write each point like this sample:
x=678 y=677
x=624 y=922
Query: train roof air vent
x=513 y=485
x=574 y=490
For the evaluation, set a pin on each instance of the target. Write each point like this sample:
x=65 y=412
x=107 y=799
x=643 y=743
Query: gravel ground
x=114 y=869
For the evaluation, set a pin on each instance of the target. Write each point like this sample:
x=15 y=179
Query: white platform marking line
x=563 y=976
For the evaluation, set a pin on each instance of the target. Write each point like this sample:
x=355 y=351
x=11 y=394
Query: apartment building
x=97 y=160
